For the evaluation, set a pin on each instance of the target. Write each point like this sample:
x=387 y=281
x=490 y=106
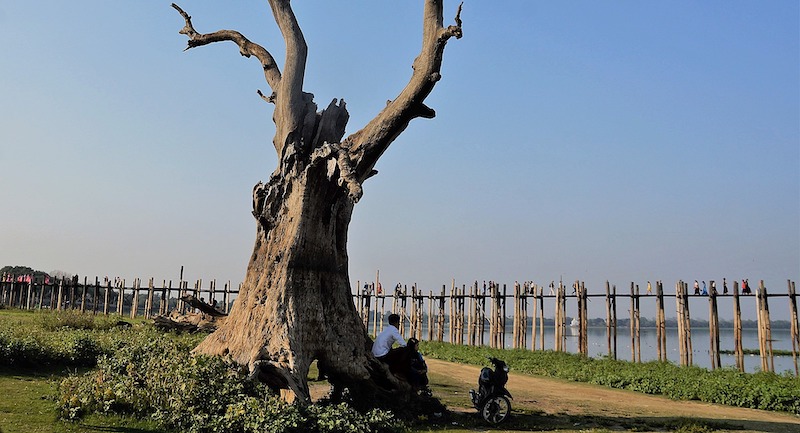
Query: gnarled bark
x=295 y=304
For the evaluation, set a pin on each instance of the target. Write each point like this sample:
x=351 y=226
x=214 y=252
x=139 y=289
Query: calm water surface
x=598 y=345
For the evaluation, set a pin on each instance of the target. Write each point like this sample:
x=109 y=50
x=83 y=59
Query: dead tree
x=295 y=303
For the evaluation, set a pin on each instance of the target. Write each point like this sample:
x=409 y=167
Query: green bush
x=50 y=339
x=32 y=347
x=150 y=374
x=72 y=319
x=71 y=350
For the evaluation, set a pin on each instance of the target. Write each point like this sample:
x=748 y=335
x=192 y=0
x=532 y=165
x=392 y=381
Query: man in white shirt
x=384 y=341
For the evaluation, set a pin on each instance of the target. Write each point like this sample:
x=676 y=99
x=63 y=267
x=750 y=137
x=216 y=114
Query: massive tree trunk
x=295 y=305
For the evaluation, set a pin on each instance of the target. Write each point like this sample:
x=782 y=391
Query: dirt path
x=582 y=403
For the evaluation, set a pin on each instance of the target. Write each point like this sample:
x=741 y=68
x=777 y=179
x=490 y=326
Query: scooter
x=491 y=398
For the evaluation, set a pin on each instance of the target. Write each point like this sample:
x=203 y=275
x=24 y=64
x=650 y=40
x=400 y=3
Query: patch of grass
x=27 y=405
x=44 y=338
x=74 y=319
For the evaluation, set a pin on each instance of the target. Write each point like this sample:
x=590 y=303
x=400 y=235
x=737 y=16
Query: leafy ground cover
x=137 y=372
x=132 y=378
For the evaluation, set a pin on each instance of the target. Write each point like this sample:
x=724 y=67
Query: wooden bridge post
x=453 y=315
x=15 y=287
x=106 y=297
x=399 y=308
x=10 y=293
x=420 y=311
x=470 y=317
x=83 y=294
x=3 y=289
x=688 y=325
x=95 y=295
x=440 y=316
x=430 y=315
x=765 y=330
x=662 y=323
x=524 y=315
x=541 y=319
x=492 y=315
x=637 y=324
x=502 y=311
x=197 y=292
x=72 y=287
x=608 y=317
x=517 y=319
x=794 y=325
x=182 y=291
x=28 y=303
x=227 y=296
x=413 y=321
x=557 y=321
x=482 y=315
x=120 y=296
x=135 y=300
x=380 y=311
x=462 y=307
x=213 y=295
x=679 y=312
x=53 y=293
x=60 y=294
x=614 y=320
x=583 y=340
x=148 y=303
x=713 y=327
x=163 y=302
x=534 y=315
x=632 y=326
x=41 y=295
x=366 y=307
x=737 y=328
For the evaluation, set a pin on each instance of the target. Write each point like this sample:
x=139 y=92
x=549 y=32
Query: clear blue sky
x=621 y=141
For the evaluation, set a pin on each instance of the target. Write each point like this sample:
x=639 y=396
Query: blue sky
x=621 y=141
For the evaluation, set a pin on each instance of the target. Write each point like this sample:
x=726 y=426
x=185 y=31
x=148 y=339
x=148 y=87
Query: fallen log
x=209 y=309
x=191 y=322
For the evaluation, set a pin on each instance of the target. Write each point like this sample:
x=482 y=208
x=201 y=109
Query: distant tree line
x=37 y=277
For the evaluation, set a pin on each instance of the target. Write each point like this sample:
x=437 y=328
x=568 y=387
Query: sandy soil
x=586 y=405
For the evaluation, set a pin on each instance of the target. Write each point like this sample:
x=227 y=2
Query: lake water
x=598 y=345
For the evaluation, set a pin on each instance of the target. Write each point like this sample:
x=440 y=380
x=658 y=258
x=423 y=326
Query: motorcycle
x=491 y=398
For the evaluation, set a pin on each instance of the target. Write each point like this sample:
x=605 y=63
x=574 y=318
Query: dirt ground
x=552 y=404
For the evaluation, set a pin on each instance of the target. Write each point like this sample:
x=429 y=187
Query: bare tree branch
x=291 y=106
x=368 y=144
x=271 y=72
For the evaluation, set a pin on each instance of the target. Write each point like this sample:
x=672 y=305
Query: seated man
x=418 y=371
x=382 y=348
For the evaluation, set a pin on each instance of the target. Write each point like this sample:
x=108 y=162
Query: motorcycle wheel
x=496 y=409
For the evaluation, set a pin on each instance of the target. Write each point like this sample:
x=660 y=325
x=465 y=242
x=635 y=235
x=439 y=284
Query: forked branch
x=368 y=144
x=247 y=48
x=291 y=105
